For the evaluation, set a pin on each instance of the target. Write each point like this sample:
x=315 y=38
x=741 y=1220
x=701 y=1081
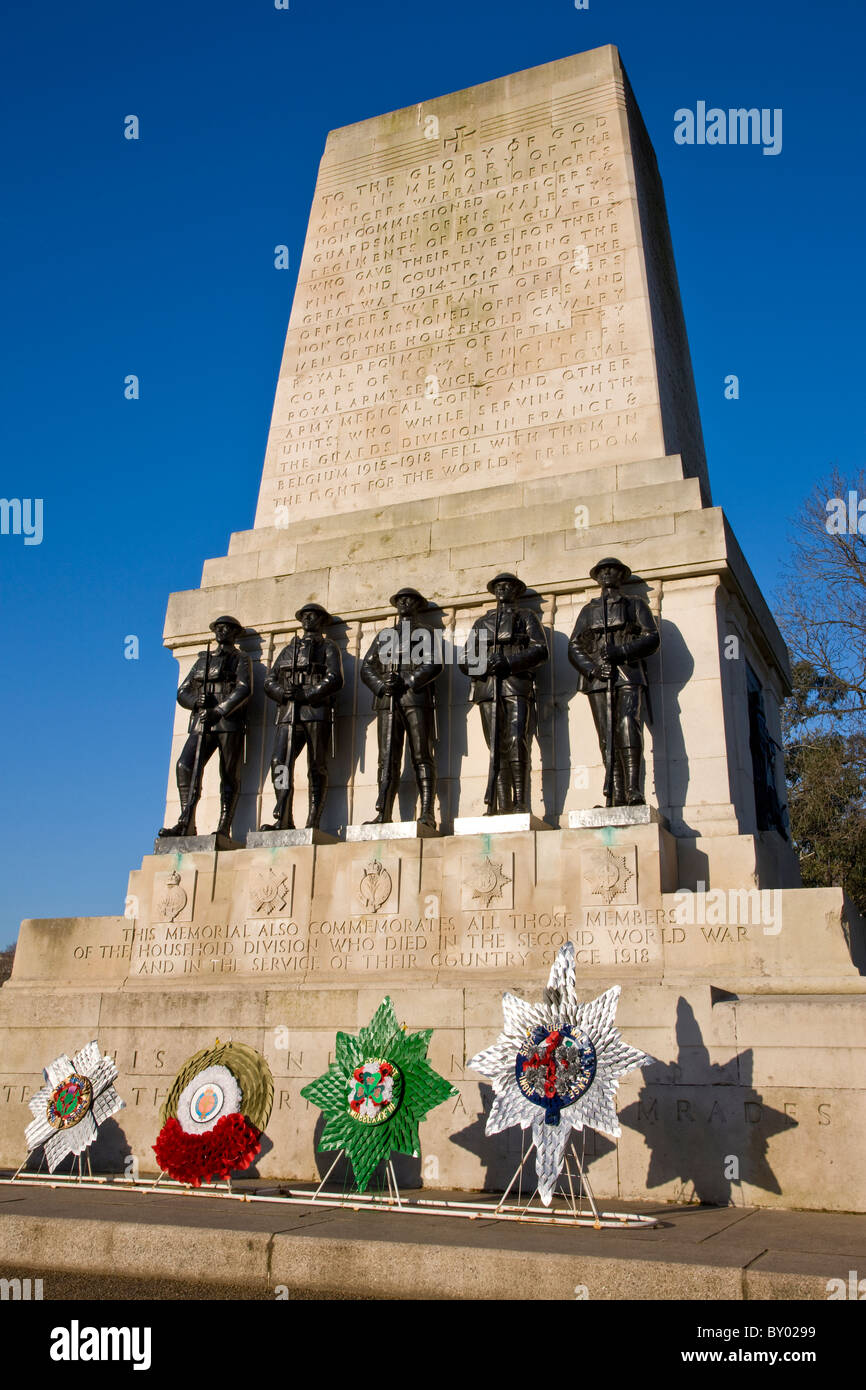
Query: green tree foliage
x=6 y=959
x=822 y=613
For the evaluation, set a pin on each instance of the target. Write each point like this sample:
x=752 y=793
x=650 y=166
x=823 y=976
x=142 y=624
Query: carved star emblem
x=270 y=893
x=489 y=881
x=555 y=1067
x=612 y=878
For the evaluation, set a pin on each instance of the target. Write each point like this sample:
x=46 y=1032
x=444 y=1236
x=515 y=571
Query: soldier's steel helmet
x=226 y=618
x=611 y=563
x=409 y=593
x=314 y=608
x=512 y=579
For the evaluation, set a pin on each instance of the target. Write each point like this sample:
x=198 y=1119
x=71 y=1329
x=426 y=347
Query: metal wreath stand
x=580 y=1207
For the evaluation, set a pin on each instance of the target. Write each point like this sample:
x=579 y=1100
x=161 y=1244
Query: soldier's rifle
x=490 y=794
x=387 y=771
x=608 y=750
x=289 y=789
x=195 y=783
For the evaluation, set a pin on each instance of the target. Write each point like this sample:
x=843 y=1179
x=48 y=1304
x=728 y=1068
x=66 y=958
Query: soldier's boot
x=504 y=794
x=383 y=817
x=186 y=822
x=501 y=796
x=317 y=793
x=283 y=818
x=427 y=785
x=618 y=782
x=633 y=793
x=228 y=803
x=283 y=812
x=520 y=779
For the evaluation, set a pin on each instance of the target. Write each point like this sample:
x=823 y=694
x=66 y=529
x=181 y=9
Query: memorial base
x=194 y=844
x=391 y=830
x=752 y=1003
x=288 y=839
x=517 y=823
x=597 y=817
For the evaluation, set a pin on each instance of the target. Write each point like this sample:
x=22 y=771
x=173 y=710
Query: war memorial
x=490 y=675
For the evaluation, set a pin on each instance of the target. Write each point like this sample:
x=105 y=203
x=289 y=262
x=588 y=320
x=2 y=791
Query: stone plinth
x=194 y=844
x=516 y=823
x=392 y=830
x=288 y=839
x=753 y=1004
x=600 y=816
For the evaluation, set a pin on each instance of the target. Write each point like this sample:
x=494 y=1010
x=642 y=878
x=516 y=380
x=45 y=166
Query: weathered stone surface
x=752 y=1003
x=391 y=830
x=287 y=839
x=619 y=816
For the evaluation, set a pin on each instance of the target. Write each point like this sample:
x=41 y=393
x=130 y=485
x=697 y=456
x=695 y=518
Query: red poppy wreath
x=215 y=1114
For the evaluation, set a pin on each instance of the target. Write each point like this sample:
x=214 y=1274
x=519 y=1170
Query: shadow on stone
x=407 y=1170
x=707 y=1128
x=501 y=1153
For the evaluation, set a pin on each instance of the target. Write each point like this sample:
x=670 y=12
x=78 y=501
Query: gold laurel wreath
x=246 y=1065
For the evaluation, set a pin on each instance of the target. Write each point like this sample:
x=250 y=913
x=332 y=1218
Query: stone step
x=279 y=1250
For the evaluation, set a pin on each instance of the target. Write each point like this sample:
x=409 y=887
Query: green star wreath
x=376 y=1093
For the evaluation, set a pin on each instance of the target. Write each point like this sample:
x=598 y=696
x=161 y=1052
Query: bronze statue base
x=194 y=844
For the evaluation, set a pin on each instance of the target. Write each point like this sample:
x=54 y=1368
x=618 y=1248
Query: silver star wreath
x=555 y=1067
x=77 y=1098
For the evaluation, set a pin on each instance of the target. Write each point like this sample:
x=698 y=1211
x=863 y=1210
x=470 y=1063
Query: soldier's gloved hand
x=296 y=691
x=205 y=702
x=394 y=683
x=614 y=653
x=603 y=671
x=498 y=664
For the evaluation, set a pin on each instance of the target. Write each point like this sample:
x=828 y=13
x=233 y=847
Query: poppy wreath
x=215 y=1114
x=229 y=1147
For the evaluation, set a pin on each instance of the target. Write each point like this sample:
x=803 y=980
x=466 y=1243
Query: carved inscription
x=471 y=314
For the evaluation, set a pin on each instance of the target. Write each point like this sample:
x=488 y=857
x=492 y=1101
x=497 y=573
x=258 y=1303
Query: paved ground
x=123 y=1244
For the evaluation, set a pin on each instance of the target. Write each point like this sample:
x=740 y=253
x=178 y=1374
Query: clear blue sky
x=156 y=258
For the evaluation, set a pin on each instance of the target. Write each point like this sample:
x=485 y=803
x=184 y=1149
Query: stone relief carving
x=269 y=894
x=375 y=886
x=608 y=874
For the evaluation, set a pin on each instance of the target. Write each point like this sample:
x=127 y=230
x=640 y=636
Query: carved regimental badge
x=271 y=894
x=610 y=875
x=173 y=895
x=375 y=886
x=172 y=901
x=487 y=882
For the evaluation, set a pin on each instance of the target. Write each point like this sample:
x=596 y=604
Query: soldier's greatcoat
x=630 y=626
x=318 y=668
x=229 y=680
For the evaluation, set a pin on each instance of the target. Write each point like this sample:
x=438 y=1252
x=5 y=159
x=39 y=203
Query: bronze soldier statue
x=505 y=648
x=611 y=639
x=304 y=681
x=769 y=812
x=400 y=670
x=216 y=690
